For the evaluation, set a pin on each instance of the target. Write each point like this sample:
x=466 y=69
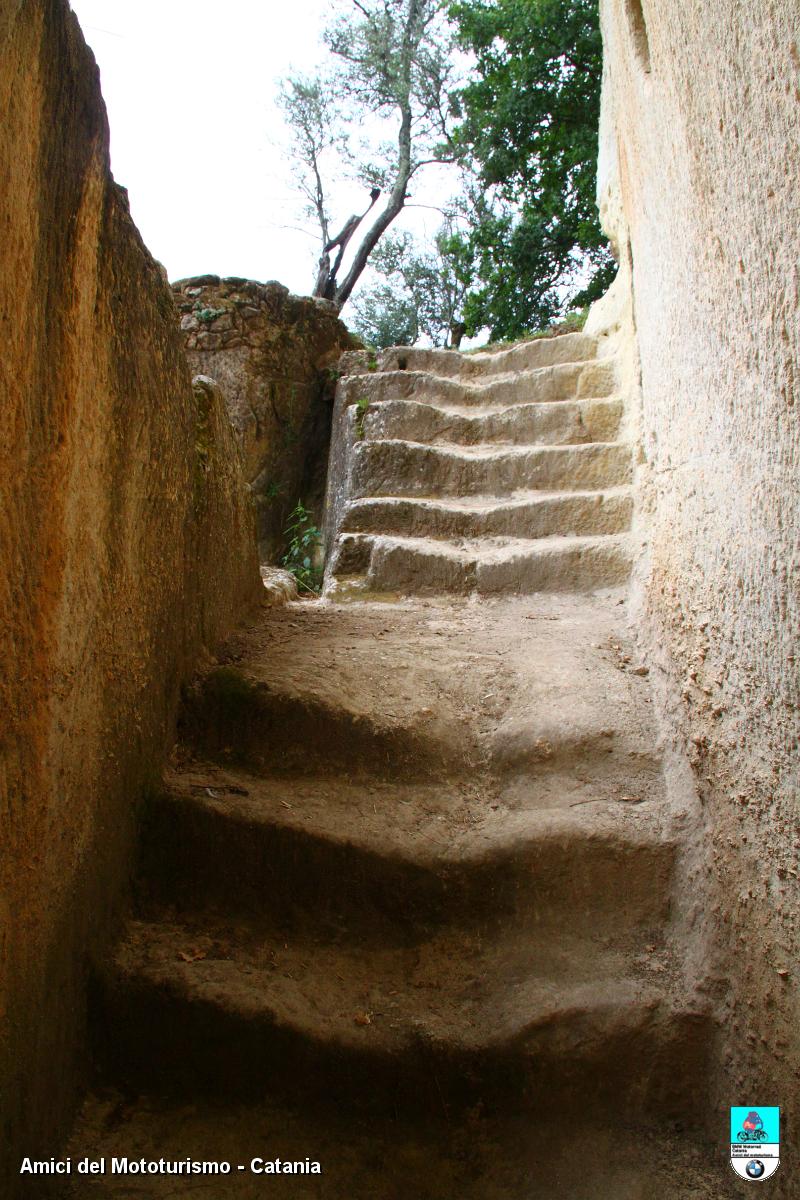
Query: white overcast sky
x=195 y=135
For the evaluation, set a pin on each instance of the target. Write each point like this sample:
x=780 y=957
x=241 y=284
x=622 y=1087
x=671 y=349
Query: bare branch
x=392 y=58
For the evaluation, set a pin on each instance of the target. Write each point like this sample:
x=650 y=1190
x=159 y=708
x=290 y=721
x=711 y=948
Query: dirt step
x=486 y=566
x=398 y=858
x=536 y=353
x=572 y=422
x=545 y=385
x=398 y=468
x=235 y=717
x=513 y=1021
x=543 y=1156
x=529 y=515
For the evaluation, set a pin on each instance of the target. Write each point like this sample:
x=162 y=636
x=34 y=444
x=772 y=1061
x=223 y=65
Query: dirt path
x=409 y=903
x=405 y=909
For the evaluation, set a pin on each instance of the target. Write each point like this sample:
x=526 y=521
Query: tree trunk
x=382 y=222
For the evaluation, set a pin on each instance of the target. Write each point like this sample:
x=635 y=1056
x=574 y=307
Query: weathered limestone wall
x=698 y=187
x=274 y=355
x=126 y=543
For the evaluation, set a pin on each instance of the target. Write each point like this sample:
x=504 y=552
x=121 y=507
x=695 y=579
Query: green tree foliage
x=529 y=122
x=421 y=292
x=384 y=315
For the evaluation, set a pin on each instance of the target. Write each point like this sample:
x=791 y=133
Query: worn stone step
x=505 y=1020
x=488 y=566
x=400 y=468
x=530 y=515
x=381 y=856
x=364 y=1156
x=237 y=718
x=568 y=423
x=544 y=385
x=525 y=356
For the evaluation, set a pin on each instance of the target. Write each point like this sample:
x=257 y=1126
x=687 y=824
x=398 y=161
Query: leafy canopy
x=420 y=292
x=529 y=122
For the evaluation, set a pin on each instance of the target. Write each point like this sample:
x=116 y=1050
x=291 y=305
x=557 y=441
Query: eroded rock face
x=274 y=356
x=698 y=187
x=126 y=544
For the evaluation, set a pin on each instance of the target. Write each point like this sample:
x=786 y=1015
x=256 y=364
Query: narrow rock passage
x=406 y=904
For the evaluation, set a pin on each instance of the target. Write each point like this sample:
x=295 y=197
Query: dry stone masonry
x=273 y=355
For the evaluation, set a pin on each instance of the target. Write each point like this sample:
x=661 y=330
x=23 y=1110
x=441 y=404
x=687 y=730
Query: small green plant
x=372 y=361
x=304 y=540
x=207 y=315
x=362 y=405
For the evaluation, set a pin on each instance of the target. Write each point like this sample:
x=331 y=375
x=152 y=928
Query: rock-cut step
x=387 y=1158
x=488 y=566
x=400 y=468
x=545 y=385
x=526 y=515
x=245 y=1010
x=572 y=422
x=390 y=858
x=530 y=355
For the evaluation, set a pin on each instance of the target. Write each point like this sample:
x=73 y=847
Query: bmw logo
x=755 y=1168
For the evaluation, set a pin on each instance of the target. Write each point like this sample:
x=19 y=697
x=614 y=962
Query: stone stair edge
x=472 y=362
x=537 y=546
x=604 y=991
x=489 y=502
x=482 y=383
x=597 y=820
x=496 y=450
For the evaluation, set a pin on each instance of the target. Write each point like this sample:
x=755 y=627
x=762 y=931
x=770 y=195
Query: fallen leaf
x=362 y=1018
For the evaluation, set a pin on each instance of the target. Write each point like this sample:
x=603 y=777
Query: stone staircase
x=499 y=472
x=409 y=901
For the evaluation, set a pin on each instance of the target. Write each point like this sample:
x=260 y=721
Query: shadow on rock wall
x=274 y=355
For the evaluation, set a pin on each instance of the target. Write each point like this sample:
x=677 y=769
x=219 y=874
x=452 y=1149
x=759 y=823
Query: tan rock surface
x=274 y=355
x=126 y=543
x=405 y=906
x=498 y=472
x=699 y=166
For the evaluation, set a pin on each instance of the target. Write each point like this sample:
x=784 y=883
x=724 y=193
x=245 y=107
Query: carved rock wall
x=274 y=355
x=700 y=157
x=126 y=545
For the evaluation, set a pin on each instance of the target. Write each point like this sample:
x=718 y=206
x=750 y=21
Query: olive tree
x=391 y=68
